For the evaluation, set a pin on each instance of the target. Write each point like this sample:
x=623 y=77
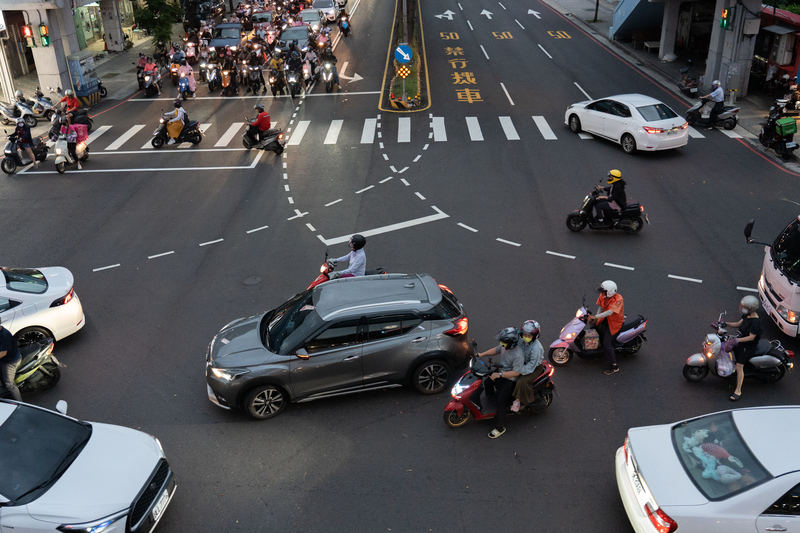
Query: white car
x=314 y=18
x=329 y=8
x=635 y=121
x=61 y=474
x=39 y=303
x=735 y=471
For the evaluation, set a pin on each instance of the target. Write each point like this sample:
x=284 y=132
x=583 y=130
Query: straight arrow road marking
x=487 y=13
x=228 y=136
x=125 y=137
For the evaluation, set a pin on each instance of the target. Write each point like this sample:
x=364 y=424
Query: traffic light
x=27 y=33
x=44 y=35
x=726 y=19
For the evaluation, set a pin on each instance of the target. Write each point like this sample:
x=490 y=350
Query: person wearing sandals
x=749 y=334
x=533 y=368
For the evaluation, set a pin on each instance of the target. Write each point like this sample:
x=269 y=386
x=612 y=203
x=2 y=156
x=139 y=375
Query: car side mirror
x=61 y=407
x=302 y=354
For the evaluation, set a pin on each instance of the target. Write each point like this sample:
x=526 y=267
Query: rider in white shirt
x=356 y=259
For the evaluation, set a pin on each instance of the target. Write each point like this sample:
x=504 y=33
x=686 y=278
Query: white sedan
x=39 y=303
x=735 y=471
x=635 y=121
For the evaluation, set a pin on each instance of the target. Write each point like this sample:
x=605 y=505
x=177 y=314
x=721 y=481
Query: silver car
x=344 y=336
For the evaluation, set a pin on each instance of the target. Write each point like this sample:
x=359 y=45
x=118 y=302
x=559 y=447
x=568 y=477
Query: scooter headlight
x=569 y=336
x=458 y=388
x=147 y=78
x=59 y=151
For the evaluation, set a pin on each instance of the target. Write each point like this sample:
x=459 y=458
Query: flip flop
x=734 y=397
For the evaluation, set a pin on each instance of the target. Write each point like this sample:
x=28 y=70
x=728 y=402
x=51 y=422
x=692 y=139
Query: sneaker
x=35 y=164
x=80 y=167
x=171 y=141
x=613 y=369
x=496 y=433
x=515 y=406
x=194 y=96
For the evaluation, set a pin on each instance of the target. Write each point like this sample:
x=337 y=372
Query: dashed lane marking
x=693 y=280
x=747 y=289
x=614 y=265
x=473 y=230
x=565 y=256
x=484 y=52
x=160 y=255
x=309 y=226
x=545 y=52
x=256 y=229
x=407 y=184
x=211 y=242
x=365 y=189
x=386 y=179
x=333 y=202
x=105 y=268
x=508 y=242
x=420 y=195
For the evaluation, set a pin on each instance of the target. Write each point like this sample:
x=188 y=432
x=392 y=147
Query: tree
x=158 y=17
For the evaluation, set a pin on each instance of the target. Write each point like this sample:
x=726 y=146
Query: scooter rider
x=750 y=331
x=160 y=51
x=718 y=96
x=175 y=125
x=295 y=64
x=187 y=71
x=313 y=60
x=533 y=368
x=9 y=361
x=356 y=259
x=610 y=306
x=261 y=124
x=151 y=69
x=71 y=103
x=25 y=140
x=328 y=57
x=614 y=193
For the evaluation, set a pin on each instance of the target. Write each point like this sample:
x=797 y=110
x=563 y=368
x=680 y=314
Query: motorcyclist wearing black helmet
x=356 y=259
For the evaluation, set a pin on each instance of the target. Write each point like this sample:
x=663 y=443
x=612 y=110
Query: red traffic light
x=27 y=31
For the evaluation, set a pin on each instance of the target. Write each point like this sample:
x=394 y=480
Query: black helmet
x=295 y=55
x=177 y=102
x=509 y=336
x=183 y=61
x=260 y=107
x=358 y=241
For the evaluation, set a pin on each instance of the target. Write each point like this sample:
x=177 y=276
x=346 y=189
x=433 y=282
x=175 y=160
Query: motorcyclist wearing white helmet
x=356 y=259
x=609 y=318
x=750 y=331
x=718 y=96
x=533 y=368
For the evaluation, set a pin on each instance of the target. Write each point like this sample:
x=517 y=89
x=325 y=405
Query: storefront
x=89 y=22
x=776 y=50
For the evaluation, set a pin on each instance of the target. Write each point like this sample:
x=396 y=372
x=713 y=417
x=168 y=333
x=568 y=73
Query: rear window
x=716 y=457
x=652 y=113
x=25 y=280
x=227 y=33
x=448 y=308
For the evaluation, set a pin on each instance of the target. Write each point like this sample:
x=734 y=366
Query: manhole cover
x=252 y=280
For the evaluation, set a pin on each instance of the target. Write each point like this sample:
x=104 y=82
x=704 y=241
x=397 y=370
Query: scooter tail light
x=660 y=520
x=789 y=353
x=460 y=327
x=641 y=208
x=280 y=136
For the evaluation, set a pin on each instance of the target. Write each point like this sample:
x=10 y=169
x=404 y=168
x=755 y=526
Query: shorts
x=742 y=355
x=24 y=145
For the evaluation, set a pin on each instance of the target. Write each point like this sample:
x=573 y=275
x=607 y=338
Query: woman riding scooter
x=175 y=124
x=186 y=71
x=614 y=200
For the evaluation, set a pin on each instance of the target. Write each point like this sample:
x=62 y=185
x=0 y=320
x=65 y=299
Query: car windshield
x=298 y=32
x=716 y=457
x=323 y=4
x=291 y=323
x=36 y=447
x=652 y=113
x=226 y=33
x=786 y=251
x=261 y=17
x=25 y=280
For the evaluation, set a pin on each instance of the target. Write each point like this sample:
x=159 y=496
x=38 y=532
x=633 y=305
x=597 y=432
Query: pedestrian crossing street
x=360 y=131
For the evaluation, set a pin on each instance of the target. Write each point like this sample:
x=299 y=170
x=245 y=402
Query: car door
x=617 y=120
x=7 y=311
x=593 y=116
x=334 y=360
x=394 y=341
x=783 y=515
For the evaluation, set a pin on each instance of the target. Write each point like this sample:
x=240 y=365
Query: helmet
x=608 y=287
x=224 y=20
x=785 y=77
x=20 y=121
x=750 y=303
x=177 y=102
x=141 y=54
x=715 y=84
x=530 y=328
x=614 y=176
x=509 y=336
x=358 y=241
x=183 y=61
x=295 y=55
x=276 y=54
x=18 y=94
x=68 y=92
x=260 y=107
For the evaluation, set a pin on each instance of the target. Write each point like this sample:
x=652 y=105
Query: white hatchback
x=62 y=474
x=635 y=121
x=735 y=471
x=39 y=303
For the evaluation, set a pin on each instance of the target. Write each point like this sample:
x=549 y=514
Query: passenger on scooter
x=533 y=368
x=614 y=199
x=356 y=259
x=276 y=63
x=187 y=71
x=750 y=331
x=71 y=134
x=261 y=124
x=718 y=96
x=611 y=306
x=312 y=59
x=9 y=361
x=175 y=125
x=25 y=140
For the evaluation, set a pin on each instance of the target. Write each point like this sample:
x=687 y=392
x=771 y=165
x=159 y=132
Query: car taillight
x=659 y=519
x=444 y=288
x=650 y=129
x=685 y=125
x=461 y=326
x=625 y=447
x=64 y=299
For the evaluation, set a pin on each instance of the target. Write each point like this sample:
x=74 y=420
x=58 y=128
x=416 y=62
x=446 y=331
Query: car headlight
x=458 y=388
x=160 y=448
x=788 y=315
x=229 y=374
x=96 y=526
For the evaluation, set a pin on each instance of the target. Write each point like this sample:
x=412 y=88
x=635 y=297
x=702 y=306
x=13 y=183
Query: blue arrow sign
x=403 y=54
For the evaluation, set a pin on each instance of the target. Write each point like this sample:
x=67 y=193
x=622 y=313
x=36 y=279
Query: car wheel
x=431 y=376
x=30 y=335
x=576 y=223
x=265 y=402
x=574 y=123
x=452 y=419
x=628 y=143
x=636 y=225
x=560 y=356
x=695 y=373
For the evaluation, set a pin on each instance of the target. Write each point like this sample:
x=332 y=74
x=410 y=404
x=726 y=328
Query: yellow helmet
x=614 y=176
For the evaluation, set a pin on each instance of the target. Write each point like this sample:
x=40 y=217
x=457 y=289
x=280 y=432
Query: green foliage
x=786 y=6
x=157 y=17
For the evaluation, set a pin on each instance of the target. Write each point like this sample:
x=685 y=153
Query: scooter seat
x=28 y=352
x=763 y=347
x=273 y=131
x=632 y=323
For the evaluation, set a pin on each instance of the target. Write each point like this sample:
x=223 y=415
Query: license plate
x=637 y=484
x=671 y=132
x=693 y=90
x=791 y=145
x=161 y=504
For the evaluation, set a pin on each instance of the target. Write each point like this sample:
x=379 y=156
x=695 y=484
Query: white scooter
x=64 y=158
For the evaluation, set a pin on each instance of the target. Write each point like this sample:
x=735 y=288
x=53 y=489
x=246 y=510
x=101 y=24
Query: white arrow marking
x=446 y=15
x=487 y=13
x=534 y=13
x=354 y=77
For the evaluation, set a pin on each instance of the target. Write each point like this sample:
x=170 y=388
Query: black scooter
x=272 y=139
x=277 y=81
x=190 y=133
x=778 y=132
x=38 y=369
x=13 y=156
x=688 y=84
x=629 y=220
x=727 y=119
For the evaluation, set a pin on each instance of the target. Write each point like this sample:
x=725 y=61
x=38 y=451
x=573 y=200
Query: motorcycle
x=727 y=119
x=254 y=75
x=38 y=369
x=227 y=83
x=778 y=132
x=152 y=82
x=191 y=53
x=309 y=73
x=212 y=71
x=688 y=84
x=344 y=26
x=629 y=220
x=581 y=338
x=460 y=408
x=64 y=157
x=13 y=110
x=190 y=133
x=79 y=116
x=183 y=86
x=43 y=105
x=12 y=156
x=329 y=266
x=277 y=81
x=102 y=90
x=295 y=82
x=770 y=363
x=327 y=76
x=173 y=72
x=272 y=139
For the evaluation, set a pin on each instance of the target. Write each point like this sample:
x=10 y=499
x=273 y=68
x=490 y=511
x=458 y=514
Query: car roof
x=228 y=25
x=769 y=432
x=634 y=99
x=348 y=297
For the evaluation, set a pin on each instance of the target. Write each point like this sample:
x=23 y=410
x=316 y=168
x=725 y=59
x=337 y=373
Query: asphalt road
x=161 y=243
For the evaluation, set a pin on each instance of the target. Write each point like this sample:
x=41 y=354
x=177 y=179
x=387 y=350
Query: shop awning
x=780 y=30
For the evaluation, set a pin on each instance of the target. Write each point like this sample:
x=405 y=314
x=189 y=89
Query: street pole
x=596 y=9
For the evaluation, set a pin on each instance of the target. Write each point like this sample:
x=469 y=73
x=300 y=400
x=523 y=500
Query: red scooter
x=329 y=266
x=460 y=409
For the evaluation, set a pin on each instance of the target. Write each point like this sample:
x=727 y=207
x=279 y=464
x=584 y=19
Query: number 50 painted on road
x=559 y=35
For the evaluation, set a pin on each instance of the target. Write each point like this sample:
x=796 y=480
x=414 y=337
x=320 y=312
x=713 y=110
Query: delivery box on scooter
x=786 y=126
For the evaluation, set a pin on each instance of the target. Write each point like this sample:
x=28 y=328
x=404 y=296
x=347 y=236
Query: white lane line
x=407 y=184
x=286 y=187
x=501 y=5
x=417 y=158
x=439 y=133
x=544 y=128
x=520 y=24
x=229 y=134
x=285 y=164
x=565 y=256
x=285 y=176
x=291 y=200
x=474 y=127
x=160 y=255
x=105 y=268
x=333 y=202
x=385 y=180
x=259 y=97
x=125 y=137
x=386 y=229
x=178 y=169
x=420 y=196
x=385 y=157
x=484 y=52
x=256 y=229
x=731 y=134
x=694 y=134
x=368 y=133
x=299 y=131
x=545 y=52
x=459 y=6
x=309 y=226
x=581 y=88
x=508 y=242
x=148 y=148
x=211 y=242
x=748 y=289
x=685 y=279
x=507 y=95
x=470 y=26
x=430 y=135
x=365 y=189
x=425 y=147
x=585 y=136
x=380 y=145
x=614 y=265
x=201 y=127
x=97 y=133
x=473 y=230
x=404 y=130
x=333 y=132
x=509 y=129
x=297 y=215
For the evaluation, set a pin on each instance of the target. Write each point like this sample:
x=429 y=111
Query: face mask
x=527 y=339
x=745 y=311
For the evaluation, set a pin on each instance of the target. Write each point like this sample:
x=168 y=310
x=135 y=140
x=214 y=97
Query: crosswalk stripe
x=509 y=129
x=404 y=130
x=694 y=134
x=475 y=133
x=439 y=132
x=544 y=128
x=585 y=136
x=731 y=134
x=125 y=137
x=97 y=133
x=368 y=133
x=201 y=127
x=299 y=131
x=333 y=132
x=232 y=130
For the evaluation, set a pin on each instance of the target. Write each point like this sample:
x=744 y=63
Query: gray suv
x=344 y=336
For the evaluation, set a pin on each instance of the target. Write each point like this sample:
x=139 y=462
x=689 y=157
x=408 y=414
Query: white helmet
x=68 y=92
x=715 y=83
x=18 y=94
x=608 y=287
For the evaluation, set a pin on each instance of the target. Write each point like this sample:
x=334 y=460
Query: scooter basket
x=786 y=126
x=591 y=340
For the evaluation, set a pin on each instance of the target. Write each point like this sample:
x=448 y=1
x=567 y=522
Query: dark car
x=229 y=34
x=302 y=34
x=344 y=336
